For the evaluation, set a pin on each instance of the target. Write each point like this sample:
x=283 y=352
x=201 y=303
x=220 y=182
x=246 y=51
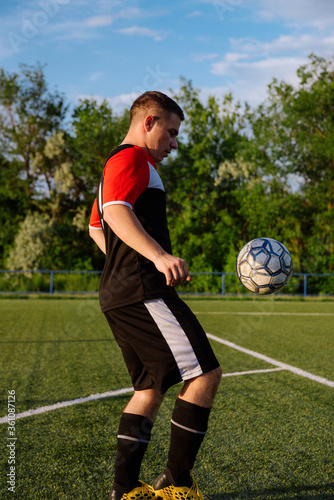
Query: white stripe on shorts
x=175 y=337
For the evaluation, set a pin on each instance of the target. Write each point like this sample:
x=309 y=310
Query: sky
x=117 y=49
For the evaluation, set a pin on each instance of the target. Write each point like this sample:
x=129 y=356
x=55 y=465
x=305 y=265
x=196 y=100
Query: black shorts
x=162 y=343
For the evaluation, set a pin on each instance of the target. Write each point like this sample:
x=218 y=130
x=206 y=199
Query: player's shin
x=133 y=438
x=188 y=428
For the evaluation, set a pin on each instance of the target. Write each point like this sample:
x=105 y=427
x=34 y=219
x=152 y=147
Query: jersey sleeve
x=94 y=222
x=126 y=176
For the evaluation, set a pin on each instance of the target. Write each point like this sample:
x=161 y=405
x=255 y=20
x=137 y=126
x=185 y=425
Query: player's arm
x=128 y=228
x=95 y=229
x=98 y=237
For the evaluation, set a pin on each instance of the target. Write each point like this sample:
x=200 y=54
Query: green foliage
x=29 y=114
x=96 y=131
x=11 y=212
x=33 y=238
x=201 y=203
x=239 y=173
x=294 y=129
x=50 y=171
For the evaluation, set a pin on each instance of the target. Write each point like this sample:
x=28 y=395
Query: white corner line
x=251 y=372
x=274 y=362
x=94 y=397
x=118 y=392
x=64 y=404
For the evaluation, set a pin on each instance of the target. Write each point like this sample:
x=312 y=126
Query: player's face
x=162 y=137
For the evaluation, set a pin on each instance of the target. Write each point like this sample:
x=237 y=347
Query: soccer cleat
x=142 y=492
x=166 y=491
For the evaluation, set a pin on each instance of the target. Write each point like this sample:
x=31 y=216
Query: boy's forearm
x=128 y=228
x=98 y=236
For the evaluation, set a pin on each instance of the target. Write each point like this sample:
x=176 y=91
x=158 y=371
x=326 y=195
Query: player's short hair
x=156 y=103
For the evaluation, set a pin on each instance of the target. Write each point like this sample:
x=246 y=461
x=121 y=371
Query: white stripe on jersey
x=118 y=203
x=99 y=202
x=175 y=337
x=155 y=181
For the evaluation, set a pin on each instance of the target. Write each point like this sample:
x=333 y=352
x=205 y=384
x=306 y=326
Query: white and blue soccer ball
x=264 y=265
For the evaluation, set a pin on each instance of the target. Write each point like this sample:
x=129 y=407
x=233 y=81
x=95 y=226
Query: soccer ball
x=264 y=265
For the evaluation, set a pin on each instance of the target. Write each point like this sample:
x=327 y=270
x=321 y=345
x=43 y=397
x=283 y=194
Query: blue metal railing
x=51 y=273
x=51 y=289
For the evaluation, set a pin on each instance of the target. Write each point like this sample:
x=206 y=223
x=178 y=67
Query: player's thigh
x=165 y=339
x=145 y=351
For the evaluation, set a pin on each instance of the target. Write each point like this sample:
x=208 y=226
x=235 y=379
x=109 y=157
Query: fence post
x=51 y=282
x=305 y=285
x=223 y=284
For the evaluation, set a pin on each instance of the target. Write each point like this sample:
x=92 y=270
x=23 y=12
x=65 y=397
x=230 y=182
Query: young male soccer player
x=161 y=340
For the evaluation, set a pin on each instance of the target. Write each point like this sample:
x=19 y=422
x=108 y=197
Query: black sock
x=189 y=424
x=133 y=437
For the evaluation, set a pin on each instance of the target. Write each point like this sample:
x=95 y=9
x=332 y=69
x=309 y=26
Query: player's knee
x=207 y=383
x=215 y=377
x=152 y=396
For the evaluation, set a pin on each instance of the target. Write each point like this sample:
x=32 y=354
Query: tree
x=53 y=172
x=293 y=132
x=96 y=131
x=201 y=200
x=32 y=242
x=232 y=179
x=11 y=213
x=29 y=115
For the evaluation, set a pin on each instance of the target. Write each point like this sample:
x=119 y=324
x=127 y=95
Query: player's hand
x=174 y=268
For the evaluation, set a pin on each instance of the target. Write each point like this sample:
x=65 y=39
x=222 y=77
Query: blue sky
x=117 y=49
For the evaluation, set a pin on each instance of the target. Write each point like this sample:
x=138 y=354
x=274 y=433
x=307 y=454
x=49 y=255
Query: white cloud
x=77 y=30
x=118 y=103
x=202 y=57
x=254 y=94
x=254 y=69
x=17 y=32
x=233 y=57
x=252 y=64
x=135 y=13
x=319 y=14
x=72 y=28
x=249 y=79
x=195 y=13
x=137 y=30
x=130 y=13
x=122 y=101
x=94 y=77
x=97 y=21
x=303 y=44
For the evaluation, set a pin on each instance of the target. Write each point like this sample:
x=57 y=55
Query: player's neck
x=135 y=141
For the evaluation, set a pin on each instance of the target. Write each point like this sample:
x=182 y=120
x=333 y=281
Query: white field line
x=250 y=372
x=94 y=397
x=64 y=404
x=274 y=362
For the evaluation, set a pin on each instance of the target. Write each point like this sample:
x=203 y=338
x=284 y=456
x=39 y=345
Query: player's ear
x=148 y=123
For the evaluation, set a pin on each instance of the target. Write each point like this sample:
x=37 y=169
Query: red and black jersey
x=130 y=178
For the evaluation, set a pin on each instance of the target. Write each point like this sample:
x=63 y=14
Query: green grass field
x=270 y=435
